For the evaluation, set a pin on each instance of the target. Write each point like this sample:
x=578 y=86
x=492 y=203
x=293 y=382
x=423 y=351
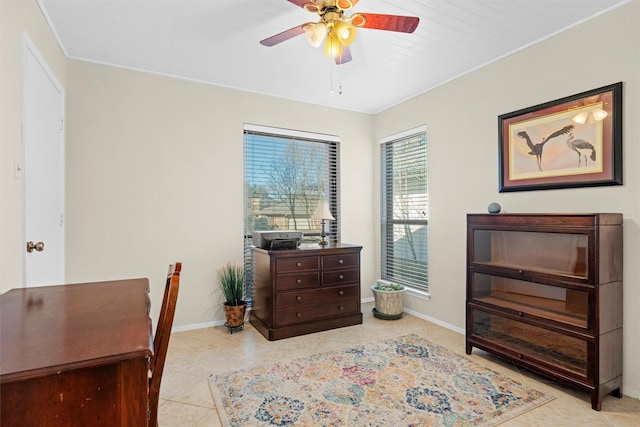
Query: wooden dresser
x=305 y=290
x=545 y=292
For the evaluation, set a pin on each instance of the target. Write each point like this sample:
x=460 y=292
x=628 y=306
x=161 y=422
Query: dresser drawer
x=339 y=277
x=316 y=296
x=303 y=314
x=297 y=281
x=290 y=265
x=340 y=261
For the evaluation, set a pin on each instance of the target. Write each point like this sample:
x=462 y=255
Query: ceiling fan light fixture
x=315 y=34
x=345 y=31
x=337 y=29
x=332 y=46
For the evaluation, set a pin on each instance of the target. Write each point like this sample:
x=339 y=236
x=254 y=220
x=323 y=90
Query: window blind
x=405 y=209
x=286 y=174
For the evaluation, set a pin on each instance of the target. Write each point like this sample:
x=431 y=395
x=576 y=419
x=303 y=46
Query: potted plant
x=231 y=282
x=388 y=299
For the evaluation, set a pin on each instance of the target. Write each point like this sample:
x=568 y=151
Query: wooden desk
x=75 y=355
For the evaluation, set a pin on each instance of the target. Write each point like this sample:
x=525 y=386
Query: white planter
x=388 y=303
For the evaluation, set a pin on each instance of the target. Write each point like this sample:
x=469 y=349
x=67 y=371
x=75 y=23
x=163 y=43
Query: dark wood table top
x=51 y=329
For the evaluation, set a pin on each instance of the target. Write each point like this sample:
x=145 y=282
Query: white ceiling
x=217 y=41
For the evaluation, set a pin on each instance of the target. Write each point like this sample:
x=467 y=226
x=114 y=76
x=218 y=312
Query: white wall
x=155 y=174
x=461 y=119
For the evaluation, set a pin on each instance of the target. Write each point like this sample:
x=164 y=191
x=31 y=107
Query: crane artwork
x=583 y=148
x=536 y=149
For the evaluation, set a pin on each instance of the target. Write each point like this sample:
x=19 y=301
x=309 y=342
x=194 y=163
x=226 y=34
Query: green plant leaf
x=231 y=282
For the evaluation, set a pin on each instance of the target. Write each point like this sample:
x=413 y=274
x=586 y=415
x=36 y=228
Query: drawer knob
x=298 y=264
x=298 y=281
x=519 y=356
x=299 y=298
x=340 y=261
x=340 y=292
x=341 y=277
x=521 y=272
x=521 y=314
x=340 y=308
x=298 y=315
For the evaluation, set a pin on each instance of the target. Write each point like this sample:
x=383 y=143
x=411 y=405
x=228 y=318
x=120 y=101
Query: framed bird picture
x=571 y=142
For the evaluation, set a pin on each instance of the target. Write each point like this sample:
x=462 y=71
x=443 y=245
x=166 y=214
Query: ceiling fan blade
x=300 y=3
x=404 y=24
x=283 y=36
x=345 y=57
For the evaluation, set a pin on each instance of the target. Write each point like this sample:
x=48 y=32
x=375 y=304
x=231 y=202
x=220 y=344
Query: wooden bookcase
x=545 y=292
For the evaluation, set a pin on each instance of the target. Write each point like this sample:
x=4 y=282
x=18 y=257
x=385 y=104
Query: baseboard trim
x=195 y=326
x=435 y=321
x=215 y=323
x=204 y=325
x=629 y=392
x=424 y=317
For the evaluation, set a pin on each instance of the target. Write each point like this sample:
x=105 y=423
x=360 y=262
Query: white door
x=43 y=171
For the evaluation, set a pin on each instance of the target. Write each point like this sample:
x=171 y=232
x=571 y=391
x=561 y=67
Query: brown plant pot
x=235 y=314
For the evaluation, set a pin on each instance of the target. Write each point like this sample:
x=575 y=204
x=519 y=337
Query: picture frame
x=571 y=142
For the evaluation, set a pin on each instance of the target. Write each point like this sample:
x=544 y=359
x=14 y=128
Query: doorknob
x=37 y=246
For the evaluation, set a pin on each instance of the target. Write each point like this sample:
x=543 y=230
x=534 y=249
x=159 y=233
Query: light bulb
x=581 y=117
x=332 y=46
x=346 y=32
x=599 y=114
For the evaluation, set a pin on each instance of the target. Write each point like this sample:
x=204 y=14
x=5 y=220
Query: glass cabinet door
x=565 y=254
x=570 y=306
x=532 y=342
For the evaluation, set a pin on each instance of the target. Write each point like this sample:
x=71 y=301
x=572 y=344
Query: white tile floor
x=195 y=355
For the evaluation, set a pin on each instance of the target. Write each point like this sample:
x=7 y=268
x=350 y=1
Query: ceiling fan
x=339 y=29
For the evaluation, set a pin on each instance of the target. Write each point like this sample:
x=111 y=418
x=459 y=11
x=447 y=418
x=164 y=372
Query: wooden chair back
x=161 y=339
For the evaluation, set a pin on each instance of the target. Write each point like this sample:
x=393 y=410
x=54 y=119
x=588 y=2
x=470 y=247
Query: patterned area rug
x=406 y=381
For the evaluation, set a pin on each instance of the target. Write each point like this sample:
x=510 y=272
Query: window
x=405 y=209
x=286 y=174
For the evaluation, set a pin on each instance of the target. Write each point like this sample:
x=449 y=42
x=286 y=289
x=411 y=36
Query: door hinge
x=61 y=219
x=61 y=123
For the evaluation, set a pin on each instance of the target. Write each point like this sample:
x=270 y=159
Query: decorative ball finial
x=494 y=208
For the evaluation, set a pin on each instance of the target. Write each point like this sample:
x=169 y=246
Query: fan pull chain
x=331 y=92
x=340 y=77
x=331 y=78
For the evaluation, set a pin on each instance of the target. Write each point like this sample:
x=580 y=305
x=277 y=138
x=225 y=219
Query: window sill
x=418 y=294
